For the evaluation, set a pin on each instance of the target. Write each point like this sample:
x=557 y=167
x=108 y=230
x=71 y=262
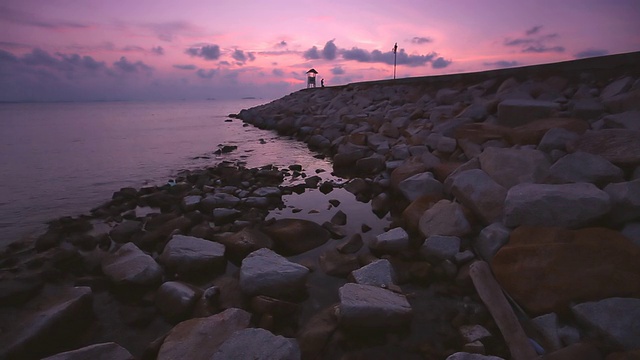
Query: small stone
x=393 y=240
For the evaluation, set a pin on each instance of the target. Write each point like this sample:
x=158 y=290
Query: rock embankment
x=536 y=170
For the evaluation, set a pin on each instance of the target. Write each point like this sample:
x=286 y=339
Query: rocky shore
x=535 y=171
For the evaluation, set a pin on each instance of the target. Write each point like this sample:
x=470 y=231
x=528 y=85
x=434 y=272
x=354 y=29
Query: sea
x=63 y=159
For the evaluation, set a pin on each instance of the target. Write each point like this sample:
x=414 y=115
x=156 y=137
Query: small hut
x=311 y=78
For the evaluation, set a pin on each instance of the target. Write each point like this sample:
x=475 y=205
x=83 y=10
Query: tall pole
x=395 y=52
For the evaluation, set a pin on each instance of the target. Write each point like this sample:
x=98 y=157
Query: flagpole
x=395 y=52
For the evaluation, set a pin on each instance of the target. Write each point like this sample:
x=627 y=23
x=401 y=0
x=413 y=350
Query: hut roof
x=312 y=71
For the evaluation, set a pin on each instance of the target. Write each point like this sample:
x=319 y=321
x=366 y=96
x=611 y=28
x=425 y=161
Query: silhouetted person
x=322 y=83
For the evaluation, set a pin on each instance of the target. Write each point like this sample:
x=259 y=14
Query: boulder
x=267 y=191
x=223 y=216
x=314 y=335
x=584 y=167
x=587 y=264
x=190 y=203
x=200 y=338
x=176 y=300
x=533 y=132
x=437 y=248
x=263 y=272
x=406 y=170
x=123 y=232
x=103 y=351
x=548 y=327
x=393 y=240
x=352 y=245
x=257 y=344
x=367 y=306
x=480 y=193
x=471 y=333
x=565 y=205
x=412 y=213
x=419 y=185
x=371 y=165
x=627 y=120
x=239 y=245
x=556 y=139
x=510 y=167
x=516 y=112
x=131 y=266
x=193 y=257
x=335 y=263
x=619 y=146
x=625 y=200
x=444 y=218
x=632 y=232
x=217 y=200
x=46 y=324
x=616 y=319
x=378 y=273
x=616 y=87
x=491 y=239
x=295 y=236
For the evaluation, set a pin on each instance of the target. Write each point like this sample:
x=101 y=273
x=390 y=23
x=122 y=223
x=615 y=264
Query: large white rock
x=444 y=218
x=371 y=306
x=584 y=167
x=479 y=192
x=104 y=351
x=625 y=200
x=516 y=112
x=396 y=239
x=200 y=338
x=565 y=205
x=263 y=272
x=420 y=184
x=510 y=167
x=131 y=266
x=257 y=344
x=378 y=273
x=617 y=319
x=192 y=256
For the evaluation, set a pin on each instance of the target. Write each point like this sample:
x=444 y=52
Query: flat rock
x=393 y=240
x=480 y=193
x=190 y=256
x=564 y=205
x=619 y=146
x=104 y=351
x=419 y=185
x=263 y=272
x=437 y=248
x=516 y=112
x=372 y=307
x=587 y=264
x=584 y=167
x=257 y=344
x=295 y=236
x=378 y=273
x=46 y=324
x=625 y=200
x=131 y=266
x=200 y=338
x=510 y=167
x=616 y=319
x=444 y=218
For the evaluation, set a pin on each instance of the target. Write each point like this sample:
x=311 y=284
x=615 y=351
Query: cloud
x=502 y=63
x=6 y=56
x=440 y=63
x=206 y=74
x=534 y=30
x=185 y=67
x=534 y=43
x=338 y=70
x=207 y=52
x=312 y=54
x=377 y=56
x=130 y=48
x=281 y=44
x=329 y=50
x=277 y=72
x=126 y=66
x=24 y=18
x=167 y=31
x=158 y=50
x=421 y=40
x=591 y=53
x=241 y=57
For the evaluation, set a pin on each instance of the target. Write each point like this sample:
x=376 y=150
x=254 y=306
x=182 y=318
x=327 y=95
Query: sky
x=86 y=50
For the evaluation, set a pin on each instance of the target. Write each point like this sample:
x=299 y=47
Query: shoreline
x=534 y=170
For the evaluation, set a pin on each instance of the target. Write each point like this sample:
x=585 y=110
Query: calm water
x=60 y=159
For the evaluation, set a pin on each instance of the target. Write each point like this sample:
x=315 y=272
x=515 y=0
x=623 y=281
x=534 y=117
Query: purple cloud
x=185 y=67
x=206 y=74
x=502 y=63
x=277 y=72
x=207 y=52
x=23 y=18
x=533 y=30
x=338 y=70
x=421 y=40
x=440 y=63
x=158 y=50
x=126 y=66
x=591 y=53
x=312 y=54
x=330 y=49
x=534 y=43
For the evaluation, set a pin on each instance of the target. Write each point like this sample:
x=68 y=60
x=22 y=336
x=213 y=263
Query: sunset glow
x=196 y=49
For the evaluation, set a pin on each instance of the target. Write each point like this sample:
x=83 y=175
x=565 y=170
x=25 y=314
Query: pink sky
x=165 y=49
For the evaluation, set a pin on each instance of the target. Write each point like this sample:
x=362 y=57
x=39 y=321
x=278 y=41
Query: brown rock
x=406 y=170
x=545 y=269
x=295 y=236
x=412 y=214
x=532 y=133
x=619 y=146
x=244 y=242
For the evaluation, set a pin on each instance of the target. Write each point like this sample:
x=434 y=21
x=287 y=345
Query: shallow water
x=63 y=159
